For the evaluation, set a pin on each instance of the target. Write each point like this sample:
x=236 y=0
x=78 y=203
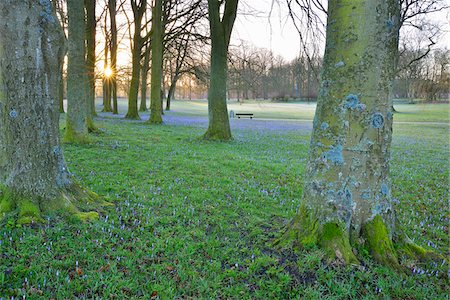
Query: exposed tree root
x=305 y=231
x=379 y=244
x=75 y=203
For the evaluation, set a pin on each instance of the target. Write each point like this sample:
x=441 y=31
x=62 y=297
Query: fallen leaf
x=104 y=268
x=170 y=268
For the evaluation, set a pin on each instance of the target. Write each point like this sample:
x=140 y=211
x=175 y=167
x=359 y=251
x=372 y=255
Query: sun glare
x=108 y=72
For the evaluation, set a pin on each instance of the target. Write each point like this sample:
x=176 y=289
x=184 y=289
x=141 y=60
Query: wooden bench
x=239 y=115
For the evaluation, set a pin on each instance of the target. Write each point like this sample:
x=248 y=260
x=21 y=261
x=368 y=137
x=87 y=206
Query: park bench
x=239 y=115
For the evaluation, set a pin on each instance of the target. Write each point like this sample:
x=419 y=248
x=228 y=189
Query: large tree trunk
x=347 y=200
x=77 y=101
x=33 y=174
x=112 y=4
x=219 y=124
x=91 y=24
x=157 y=57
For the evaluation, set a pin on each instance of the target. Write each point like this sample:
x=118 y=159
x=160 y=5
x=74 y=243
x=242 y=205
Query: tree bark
x=77 y=101
x=144 y=77
x=347 y=200
x=219 y=124
x=138 y=13
x=171 y=93
x=91 y=24
x=157 y=57
x=106 y=80
x=112 y=6
x=33 y=174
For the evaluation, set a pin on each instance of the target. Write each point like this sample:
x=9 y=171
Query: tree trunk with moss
x=157 y=57
x=220 y=28
x=77 y=83
x=33 y=175
x=347 y=202
x=138 y=13
x=91 y=24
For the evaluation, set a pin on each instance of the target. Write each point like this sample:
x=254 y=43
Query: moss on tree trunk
x=34 y=179
x=77 y=80
x=220 y=28
x=347 y=191
x=157 y=57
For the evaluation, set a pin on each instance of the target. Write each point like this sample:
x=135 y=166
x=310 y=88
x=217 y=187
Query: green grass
x=195 y=219
x=434 y=113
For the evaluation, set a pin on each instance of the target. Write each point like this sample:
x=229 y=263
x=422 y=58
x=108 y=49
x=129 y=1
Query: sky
x=277 y=32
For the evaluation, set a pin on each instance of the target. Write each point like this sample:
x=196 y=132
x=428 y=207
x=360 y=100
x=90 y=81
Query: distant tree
x=144 y=77
x=33 y=174
x=62 y=17
x=347 y=195
x=138 y=7
x=91 y=27
x=112 y=7
x=77 y=83
x=221 y=26
x=157 y=57
x=106 y=80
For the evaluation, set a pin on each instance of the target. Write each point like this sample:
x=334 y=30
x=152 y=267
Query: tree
x=77 y=83
x=157 y=57
x=112 y=6
x=220 y=29
x=91 y=24
x=33 y=174
x=144 y=77
x=58 y=8
x=139 y=8
x=347 y=200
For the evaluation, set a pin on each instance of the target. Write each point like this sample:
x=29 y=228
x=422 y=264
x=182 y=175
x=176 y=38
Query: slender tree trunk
x=157 y=57
x=347 y=201
x=144 y=78
x=112 y=16
x=91 y=24
x=61 y=83
x=106 y=80
x=77 y=102
x=33 y=173
x=171 y=93
x=219 y=124
x=138 y=12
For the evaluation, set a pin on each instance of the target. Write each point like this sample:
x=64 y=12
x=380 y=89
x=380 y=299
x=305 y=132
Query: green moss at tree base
x=408 y=249
x=91 y=126
x=301 y=232
x=6 y=201
x=132 y=116
x=305 y=232
x=70 y=136
x=155 y=119
x=379 y=244
x=217 y=135
x=334 y=240
x=29 y=212
x=74 y=203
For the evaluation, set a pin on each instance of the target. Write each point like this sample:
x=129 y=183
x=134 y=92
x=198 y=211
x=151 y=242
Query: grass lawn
x=195 y=219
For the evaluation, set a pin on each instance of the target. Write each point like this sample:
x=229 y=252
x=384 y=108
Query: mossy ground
x=194 y=218
x=75 y=203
